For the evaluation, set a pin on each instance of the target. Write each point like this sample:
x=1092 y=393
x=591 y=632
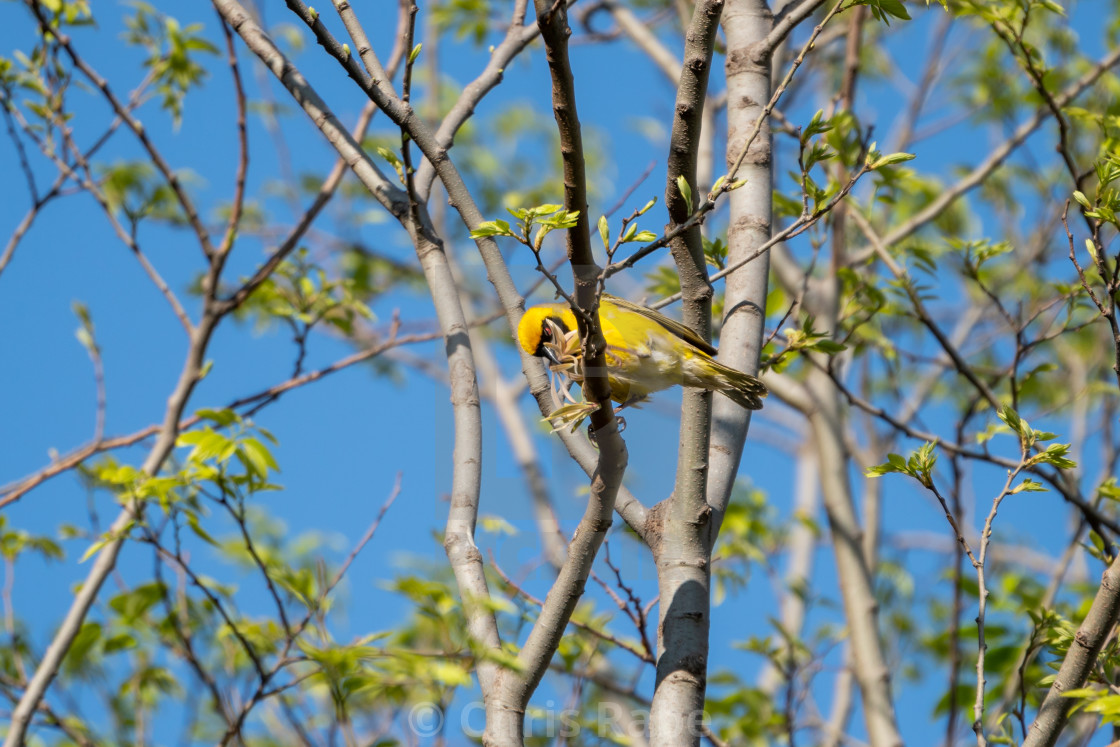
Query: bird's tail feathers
x=741 y=388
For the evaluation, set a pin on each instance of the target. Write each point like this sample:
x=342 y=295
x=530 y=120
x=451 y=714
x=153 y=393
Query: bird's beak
x=557 y=339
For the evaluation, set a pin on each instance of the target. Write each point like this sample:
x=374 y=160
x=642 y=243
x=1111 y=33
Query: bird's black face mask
x=552 y=332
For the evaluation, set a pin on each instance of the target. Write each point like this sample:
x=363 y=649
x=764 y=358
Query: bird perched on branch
x=646 y=352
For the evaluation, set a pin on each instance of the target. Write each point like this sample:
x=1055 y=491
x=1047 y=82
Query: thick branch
x=505 y=715
x=748 y=231
x=684 y=552
x=1079 y=662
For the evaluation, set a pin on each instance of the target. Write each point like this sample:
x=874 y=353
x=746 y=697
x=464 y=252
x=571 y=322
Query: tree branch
x=785 y=22
x=683 y=554
x=1079 y=662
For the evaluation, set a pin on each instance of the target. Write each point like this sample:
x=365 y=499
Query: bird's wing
x=672 y=325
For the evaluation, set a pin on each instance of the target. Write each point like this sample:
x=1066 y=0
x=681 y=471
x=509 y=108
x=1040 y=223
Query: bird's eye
x=546 y=332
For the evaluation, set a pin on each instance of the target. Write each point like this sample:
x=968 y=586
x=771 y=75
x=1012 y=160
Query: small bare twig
x=590 y=629
x=14 y=491
x=242 y=143
x=396 y=491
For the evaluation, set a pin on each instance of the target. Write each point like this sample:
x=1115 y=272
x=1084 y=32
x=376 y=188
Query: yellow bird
x=646 y=352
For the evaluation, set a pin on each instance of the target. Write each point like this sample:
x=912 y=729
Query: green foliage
x=876 y=160
x=884 y=10
x=134 y=188
x=1029 y=438
x=801 y=340
x=172 y=52
x=547 y=218
x=715 y=253
x=512 y=159
x=919 y=466
x=686 y=192
x=302 y=294
x=751 y=534
x=463 y=18
x=68 y=12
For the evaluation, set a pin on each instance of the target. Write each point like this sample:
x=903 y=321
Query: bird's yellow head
x=539 y=325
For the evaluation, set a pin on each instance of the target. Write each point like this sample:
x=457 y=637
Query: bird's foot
x=621 y=421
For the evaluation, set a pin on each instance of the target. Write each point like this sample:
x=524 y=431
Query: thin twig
x=242 y=143
x=802 y=224
x=590 y=629
x=14 y=491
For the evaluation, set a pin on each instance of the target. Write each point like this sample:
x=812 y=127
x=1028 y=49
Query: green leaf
x=686 y=191
x=414 y=53
x=451 y=674
x=882 y=8
x=192 y=522
x=389 y=155
x=1081 y=692
x=497 y=525
x=259 y=457
x=222 y=418
x=1109 y=489
x=546 y=209
x=491 y=228
x=604 y=232
x=562 y=219
x=1011 y=418
x=891 y=159
x=94 y=549
x=817 y=126
x=919 y=466
x=79 y=655
x=133 y=604
x=207 y=443
x=1055 y=454
x=885 y=468
x=830 y=347
x=120 y=642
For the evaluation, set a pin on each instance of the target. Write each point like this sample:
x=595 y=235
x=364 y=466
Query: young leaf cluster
x=546 y=218
x=919 y=465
